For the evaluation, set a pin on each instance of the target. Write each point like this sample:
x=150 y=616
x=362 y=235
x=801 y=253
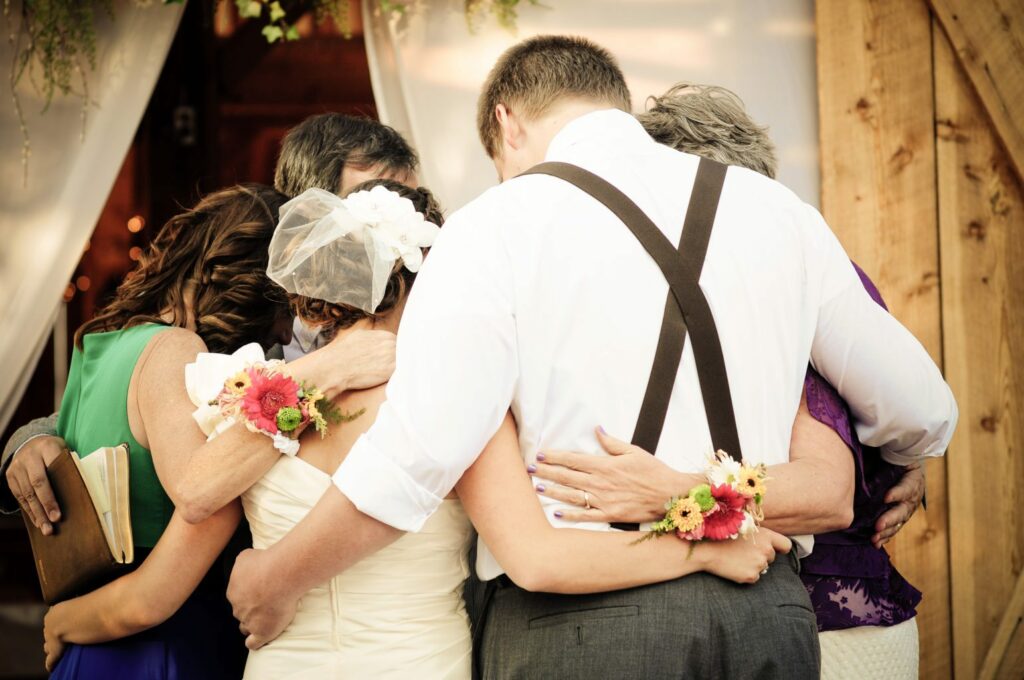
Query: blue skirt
x=201 y=641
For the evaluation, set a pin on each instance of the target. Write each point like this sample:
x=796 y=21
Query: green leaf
x=272 y=33
x=275 y=11
x=292 y=33
x=249 y=9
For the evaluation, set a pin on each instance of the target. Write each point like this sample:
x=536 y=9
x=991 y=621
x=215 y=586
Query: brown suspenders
x=686 y=309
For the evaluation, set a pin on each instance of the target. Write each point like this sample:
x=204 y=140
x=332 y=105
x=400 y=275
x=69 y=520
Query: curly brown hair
x=331 y=317
x=207 y=267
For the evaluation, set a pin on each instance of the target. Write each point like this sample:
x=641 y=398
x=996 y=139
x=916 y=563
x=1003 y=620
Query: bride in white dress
x=400 y=612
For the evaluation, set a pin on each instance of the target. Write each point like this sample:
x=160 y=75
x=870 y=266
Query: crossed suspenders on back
x=686 y=309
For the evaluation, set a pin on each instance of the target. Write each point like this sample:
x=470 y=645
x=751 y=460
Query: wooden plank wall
x=919 y=185
x=878 y=193
x=981 y=226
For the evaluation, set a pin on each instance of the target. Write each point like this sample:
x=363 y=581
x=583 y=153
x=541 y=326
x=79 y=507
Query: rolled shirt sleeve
x=897 y=395
x=457 y=366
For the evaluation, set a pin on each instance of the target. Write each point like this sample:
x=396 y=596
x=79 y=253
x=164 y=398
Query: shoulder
x=167 y=353
x=176 y=341
x=365 y=402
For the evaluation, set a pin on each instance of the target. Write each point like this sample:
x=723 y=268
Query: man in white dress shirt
x=536 y=297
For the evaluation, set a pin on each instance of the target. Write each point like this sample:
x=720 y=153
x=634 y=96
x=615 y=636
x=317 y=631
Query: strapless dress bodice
x=397 y=613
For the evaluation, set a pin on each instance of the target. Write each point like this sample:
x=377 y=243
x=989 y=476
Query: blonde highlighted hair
x=709 y=121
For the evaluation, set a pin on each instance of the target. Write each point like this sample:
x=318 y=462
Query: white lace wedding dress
x=397 y=614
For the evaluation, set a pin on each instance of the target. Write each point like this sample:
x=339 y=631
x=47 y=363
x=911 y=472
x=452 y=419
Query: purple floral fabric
x=852 y=583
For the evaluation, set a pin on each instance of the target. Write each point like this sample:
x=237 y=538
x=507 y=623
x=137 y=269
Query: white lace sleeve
x=204 y=379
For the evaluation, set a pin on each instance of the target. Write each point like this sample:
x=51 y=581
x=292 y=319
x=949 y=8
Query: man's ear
x=511 y=130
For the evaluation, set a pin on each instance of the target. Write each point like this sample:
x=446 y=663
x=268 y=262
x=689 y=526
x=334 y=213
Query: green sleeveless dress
x=201 y=640
x=94 y=413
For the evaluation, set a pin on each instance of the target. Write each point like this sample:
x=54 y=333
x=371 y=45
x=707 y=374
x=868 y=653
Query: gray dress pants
x=699 y=626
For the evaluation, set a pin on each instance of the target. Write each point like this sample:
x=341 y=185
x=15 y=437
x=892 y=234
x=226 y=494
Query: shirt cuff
x=902 y=459
x=383 y=490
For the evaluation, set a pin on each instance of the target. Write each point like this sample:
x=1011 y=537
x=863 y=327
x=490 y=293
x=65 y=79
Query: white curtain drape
x=427 y=67
x=45 y=224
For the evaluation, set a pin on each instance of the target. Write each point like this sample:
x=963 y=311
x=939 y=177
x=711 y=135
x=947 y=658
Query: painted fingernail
x=540 y=456
x=558 y=514
x=540 y=488
x=531 y=468
x=602 y=430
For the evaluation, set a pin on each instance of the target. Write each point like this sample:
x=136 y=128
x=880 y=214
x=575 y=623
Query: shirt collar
x=607 y=127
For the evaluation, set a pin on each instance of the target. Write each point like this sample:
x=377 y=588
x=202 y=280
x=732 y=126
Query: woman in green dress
x=200 y=286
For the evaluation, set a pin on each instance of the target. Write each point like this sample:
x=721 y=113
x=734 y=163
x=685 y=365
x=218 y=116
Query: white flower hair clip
x=394 y=222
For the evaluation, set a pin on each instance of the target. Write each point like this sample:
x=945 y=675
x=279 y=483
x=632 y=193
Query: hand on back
x=743 y=560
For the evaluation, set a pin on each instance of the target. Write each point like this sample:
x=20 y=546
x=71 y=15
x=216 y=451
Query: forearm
x=329 y=540
x=805 y=497
x=152 y=593
x=311 y=369
x=576 y=561
x=222 y=470
x=99 y=616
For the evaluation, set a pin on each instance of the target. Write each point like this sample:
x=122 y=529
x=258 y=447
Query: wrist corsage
x=727 y=506
x=269 y=401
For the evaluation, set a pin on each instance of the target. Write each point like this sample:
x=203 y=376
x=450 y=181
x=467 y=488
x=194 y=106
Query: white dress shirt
x=536 y=296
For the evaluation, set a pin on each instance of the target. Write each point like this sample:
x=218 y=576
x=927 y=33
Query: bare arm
x=812 y=493
x=219 y=471
x=149 y=595
x=538 y=557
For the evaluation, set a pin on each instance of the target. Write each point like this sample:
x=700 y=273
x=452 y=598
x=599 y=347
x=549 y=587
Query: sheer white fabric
x=345 y=250
x=46 y=224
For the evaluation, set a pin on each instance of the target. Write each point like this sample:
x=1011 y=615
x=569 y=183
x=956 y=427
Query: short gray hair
x=709 y=121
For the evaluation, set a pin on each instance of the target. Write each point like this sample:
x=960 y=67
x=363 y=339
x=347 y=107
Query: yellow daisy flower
x=685 y=514
x=239 y=382
x=750 y=483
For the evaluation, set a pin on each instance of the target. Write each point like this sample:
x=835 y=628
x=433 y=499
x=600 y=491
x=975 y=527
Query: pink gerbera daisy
x=723 y=521
x=267 y=395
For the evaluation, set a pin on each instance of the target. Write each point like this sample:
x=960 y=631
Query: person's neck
x=387 y=322
x=547 y=127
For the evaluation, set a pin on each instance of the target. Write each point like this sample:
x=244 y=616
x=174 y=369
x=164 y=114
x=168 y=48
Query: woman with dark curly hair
x=201 y=285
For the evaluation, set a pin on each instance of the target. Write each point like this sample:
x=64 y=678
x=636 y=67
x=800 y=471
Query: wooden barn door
x=922 y=147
